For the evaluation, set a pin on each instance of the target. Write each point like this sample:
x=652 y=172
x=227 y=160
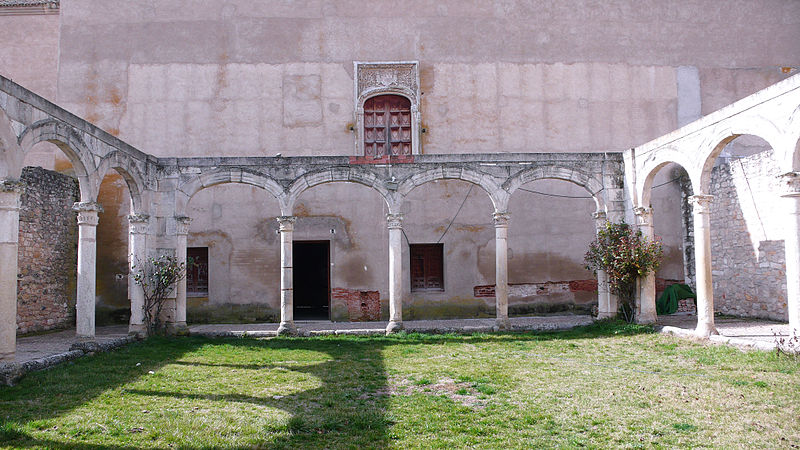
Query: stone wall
x=747 y=248
x=48 y=239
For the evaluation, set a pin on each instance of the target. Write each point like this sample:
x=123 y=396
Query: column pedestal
x=701 y=211
x=10 y=191
x=501 y=268
x=137 y=240
x=395 y=225
x=88 y=218
x=287 y=281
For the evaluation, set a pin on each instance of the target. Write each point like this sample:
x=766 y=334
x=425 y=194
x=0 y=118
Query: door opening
x=311 y=279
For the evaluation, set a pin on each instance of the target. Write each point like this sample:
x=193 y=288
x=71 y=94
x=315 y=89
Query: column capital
x=501 y=218
x=644 y=215
x=600 y=219
x=394 y=221
x=138 y=223
x=9 y=185
x=88 y=212
x=182 y=225
x=789 y=184
x=701 y=203
x=286 y=222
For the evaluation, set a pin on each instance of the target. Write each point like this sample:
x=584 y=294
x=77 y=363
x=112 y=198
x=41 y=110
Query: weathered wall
x=48 y=240
x=187 y=78
x=748 y=264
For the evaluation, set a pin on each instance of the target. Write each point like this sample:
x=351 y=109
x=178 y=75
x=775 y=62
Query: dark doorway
x=311 y=279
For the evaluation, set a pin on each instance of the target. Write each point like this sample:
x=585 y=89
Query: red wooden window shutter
x=427 y=267
x=387 y=126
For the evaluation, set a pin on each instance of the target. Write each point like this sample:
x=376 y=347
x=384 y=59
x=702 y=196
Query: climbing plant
x=625 y=255
x=157 y=276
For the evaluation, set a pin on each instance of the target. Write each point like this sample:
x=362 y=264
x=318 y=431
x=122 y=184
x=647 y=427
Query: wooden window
x=387 y=126
x=197 y=273
x=427 y=268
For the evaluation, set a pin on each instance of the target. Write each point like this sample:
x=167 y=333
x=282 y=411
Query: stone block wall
x=747 y=247
x=48 y=251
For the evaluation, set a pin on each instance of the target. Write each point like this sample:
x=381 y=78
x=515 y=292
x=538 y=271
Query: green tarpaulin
x=668 y=302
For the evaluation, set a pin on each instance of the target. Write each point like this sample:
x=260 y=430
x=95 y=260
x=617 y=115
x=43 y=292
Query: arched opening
x=387 y=126
x=233 y=239
x=449 y=251
x=340 y=253
x=549 y=232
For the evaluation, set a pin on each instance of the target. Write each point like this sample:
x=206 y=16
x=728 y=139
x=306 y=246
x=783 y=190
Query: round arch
x=127 y=169
x=352 y=174
x=222 y=176
x=497 y=195
x=647 y=173
x=558 y=172
x=72 y=145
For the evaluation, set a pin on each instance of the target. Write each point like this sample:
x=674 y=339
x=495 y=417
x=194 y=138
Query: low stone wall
x=48 y=251
x=747 y=247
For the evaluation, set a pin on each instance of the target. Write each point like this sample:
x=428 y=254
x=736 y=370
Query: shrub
x=157 y=277
x=625 y=255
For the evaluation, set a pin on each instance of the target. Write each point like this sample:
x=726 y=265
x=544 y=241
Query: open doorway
x=311 y=279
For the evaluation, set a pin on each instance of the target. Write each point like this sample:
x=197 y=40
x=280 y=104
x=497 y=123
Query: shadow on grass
x=350 y=408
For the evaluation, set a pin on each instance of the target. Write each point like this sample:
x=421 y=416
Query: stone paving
x=739 y=332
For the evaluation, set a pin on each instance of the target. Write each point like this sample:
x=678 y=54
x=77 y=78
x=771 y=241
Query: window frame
x=424 y=251
x=190 y=287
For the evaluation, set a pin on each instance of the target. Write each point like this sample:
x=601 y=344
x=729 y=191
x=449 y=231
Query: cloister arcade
x=161 y=188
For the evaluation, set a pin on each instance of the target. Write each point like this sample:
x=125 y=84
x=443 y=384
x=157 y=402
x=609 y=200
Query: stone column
x=88 y=217
x=701 y=213
x=645 y=286
x=501 y=268
x=287 y=281
x=790 y=184
x=10 y=191
x=181 y=233
x=395 y=225
x=606 y=308
x=137 y=240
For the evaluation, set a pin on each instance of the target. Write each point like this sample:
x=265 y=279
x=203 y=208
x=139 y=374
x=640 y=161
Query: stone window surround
x=371 y=79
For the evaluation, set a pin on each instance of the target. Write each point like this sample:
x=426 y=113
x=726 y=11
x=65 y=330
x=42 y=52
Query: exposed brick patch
x=548 y=287
x=48 y=242
x=362 y=306
x=583 y=286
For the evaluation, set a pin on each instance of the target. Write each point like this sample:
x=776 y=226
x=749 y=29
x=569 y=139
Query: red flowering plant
x=625 y=255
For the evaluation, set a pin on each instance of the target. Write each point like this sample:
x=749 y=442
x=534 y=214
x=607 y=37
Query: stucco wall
x=186 y=78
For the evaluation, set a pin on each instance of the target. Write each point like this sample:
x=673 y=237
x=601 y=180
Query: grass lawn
x=606 y=385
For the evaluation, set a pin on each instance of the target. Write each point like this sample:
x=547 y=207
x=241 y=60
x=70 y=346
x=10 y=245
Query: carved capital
x=600 y=219
x=501 y=219
x=286 y=223
x=138 y=223
x=701 y=204
x=394 y=221
x=9 y=185
x=644 y=215
x=182 y=225
x=88 y=213
x=790 y=184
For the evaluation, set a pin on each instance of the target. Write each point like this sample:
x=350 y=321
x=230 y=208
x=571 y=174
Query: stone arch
x=751 y=125
x=73 y=146
x=333 y=175
x=496 y=194
x=652 y=166
x=11 y=155
x=187 y=189
x=126 y=167
x=792 y=161
x=558 y=172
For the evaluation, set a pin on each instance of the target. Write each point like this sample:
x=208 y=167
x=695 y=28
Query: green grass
x=607 y=385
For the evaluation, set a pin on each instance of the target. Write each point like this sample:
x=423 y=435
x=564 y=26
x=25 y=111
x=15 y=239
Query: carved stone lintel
x=790 y=184
x=286 y=223
x=88 y=213
x=394 y=221
x=701 y=204
x=381 y=76
x=9 y=185
x=501 y=219
x=182 y=225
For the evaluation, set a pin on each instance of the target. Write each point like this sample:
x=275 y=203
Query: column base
x=502 y=324
x=394 y=327
x=8 y=357
x=705 y=330
x=84 y=337
x=138 y=330
x=287 y=329
x=645 y=319
x=606 y=315
x=177 y=329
